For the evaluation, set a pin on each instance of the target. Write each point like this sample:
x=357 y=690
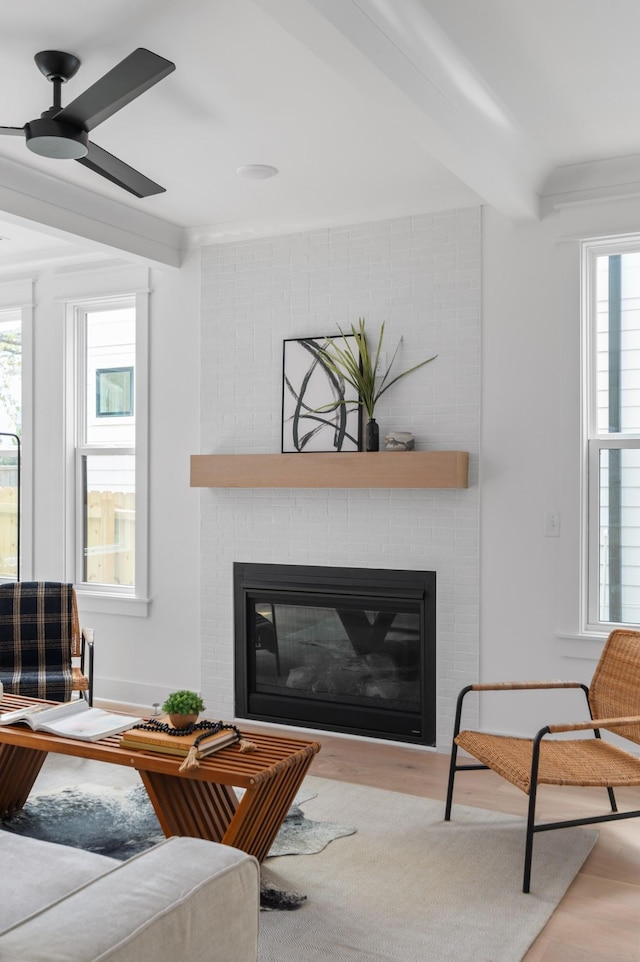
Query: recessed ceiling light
x=257 y=171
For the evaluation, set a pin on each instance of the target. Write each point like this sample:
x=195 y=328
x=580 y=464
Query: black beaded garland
x=206 y=727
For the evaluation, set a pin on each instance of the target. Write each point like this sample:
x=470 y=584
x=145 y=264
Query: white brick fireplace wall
x=421 y=275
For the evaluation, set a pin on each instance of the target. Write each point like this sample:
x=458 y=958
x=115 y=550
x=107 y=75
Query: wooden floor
x=599 y=918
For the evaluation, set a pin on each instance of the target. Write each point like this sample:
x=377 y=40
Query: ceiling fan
x=62 y=132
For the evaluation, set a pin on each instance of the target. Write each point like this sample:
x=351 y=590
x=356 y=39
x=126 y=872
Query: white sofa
x=183 y=899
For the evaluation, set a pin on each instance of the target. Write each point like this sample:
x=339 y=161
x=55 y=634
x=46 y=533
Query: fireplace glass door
x=349 y=661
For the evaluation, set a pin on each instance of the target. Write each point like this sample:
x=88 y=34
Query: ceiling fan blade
x=12 y=131
x=126 y=81
x=115 y=170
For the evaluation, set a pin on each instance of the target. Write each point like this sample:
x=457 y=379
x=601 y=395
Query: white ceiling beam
x=41 y=200
x=396 y=54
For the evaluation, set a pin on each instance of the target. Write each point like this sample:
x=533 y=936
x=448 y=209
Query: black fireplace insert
x=341 y=649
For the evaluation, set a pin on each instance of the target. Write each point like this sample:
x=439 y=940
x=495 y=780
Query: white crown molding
x=44 y=257
x=208 y=234
x=600 y=180
x=16 y=292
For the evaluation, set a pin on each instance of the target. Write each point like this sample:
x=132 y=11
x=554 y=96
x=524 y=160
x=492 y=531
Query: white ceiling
x=369 y=109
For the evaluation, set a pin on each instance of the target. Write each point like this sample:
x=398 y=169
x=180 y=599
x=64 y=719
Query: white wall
x=138 y=659
x=529 y=600
x=422 y=276
x=531 y=458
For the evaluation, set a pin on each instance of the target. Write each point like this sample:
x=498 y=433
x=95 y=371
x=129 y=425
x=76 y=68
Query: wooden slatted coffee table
x=200 y=802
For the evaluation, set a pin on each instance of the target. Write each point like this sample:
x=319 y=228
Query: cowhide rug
x=121 y=822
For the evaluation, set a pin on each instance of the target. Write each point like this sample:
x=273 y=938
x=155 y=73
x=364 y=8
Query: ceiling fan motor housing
x=52 y=138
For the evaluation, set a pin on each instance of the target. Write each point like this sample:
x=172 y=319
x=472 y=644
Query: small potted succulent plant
x=183 y=708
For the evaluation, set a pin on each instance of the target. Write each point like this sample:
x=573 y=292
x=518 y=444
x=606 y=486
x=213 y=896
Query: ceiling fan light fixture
x=51 y=138
x=257 y=171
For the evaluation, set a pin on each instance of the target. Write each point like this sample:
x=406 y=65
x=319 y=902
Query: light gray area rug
x=409 y=886
x=406 y=886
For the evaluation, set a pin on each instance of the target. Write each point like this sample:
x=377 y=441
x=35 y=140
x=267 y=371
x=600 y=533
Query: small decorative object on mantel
x=371 y=435
x=399 y=441
x=362 y=371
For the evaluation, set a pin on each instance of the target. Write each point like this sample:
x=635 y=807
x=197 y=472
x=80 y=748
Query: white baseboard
x=131 y=695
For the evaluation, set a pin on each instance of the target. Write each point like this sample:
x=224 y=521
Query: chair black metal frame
x=588 y=761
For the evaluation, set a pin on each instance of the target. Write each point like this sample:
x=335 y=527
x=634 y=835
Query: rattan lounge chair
x=613 y=701
x=43 y=651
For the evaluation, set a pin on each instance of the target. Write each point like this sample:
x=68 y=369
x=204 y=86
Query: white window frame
x=18 y=297
x=114 y=599
x=594 y=442
x=26 y=446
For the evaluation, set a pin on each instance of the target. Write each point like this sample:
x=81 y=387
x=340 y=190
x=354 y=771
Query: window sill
x=111 y=603
x=583 y=645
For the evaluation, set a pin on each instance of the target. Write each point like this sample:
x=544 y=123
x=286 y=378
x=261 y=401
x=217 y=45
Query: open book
x=75 y=719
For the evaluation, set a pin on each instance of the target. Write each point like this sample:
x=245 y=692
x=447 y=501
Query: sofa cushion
x=185 y=898
x=37 y=873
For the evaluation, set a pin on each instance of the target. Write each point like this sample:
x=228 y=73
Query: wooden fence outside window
x=111 y=528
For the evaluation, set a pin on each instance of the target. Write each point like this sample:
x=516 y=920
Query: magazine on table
x=75 y=719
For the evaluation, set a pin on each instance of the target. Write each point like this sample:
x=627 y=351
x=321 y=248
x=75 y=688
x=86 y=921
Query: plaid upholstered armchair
x=613 y=703
x=43 y=651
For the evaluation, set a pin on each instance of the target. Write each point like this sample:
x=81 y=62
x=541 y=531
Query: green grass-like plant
x=360 y=368
x=183 y=702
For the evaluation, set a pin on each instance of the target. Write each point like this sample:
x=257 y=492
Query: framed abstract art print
x=320 y=410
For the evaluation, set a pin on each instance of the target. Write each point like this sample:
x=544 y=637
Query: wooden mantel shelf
x=382 y=469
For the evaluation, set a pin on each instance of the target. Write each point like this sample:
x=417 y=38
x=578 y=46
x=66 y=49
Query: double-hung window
x=611 y=273
x=10 y=441
x=110 y=450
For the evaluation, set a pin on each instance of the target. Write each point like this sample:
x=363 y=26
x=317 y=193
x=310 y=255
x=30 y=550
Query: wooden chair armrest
x=595 y=723
x=86 y=657
x=511 y=686
x=524 y=685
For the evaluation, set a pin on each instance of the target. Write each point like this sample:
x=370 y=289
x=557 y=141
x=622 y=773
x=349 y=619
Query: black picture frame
x=308 y=384
x=114 y=392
